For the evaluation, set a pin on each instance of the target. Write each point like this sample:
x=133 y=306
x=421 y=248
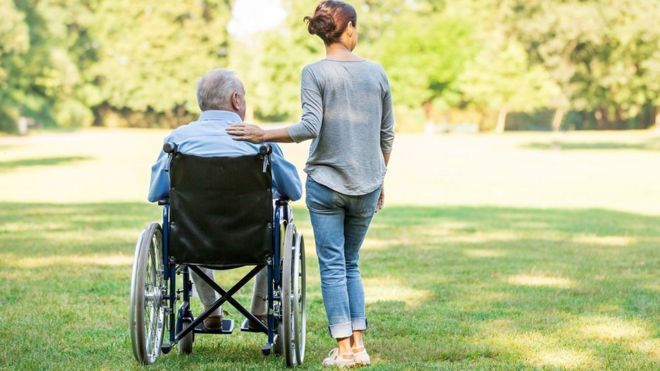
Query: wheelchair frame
x=286 y=319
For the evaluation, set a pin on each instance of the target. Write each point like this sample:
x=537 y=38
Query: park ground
x=517 y=251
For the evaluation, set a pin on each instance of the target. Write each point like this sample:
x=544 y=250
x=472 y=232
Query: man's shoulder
x=181 y=132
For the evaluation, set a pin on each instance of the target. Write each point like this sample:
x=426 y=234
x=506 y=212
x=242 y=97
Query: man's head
x=221 y=89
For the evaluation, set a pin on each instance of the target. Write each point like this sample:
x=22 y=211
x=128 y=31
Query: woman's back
x=347 y=111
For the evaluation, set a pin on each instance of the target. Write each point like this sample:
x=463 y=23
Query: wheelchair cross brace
x=225 y=296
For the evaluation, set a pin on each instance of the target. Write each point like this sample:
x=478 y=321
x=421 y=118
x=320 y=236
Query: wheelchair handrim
x=146 y=297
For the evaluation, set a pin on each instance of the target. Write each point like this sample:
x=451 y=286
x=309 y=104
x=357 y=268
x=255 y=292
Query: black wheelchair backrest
x=221 y=211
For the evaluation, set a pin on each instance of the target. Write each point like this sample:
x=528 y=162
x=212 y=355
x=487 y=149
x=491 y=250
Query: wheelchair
x=220 y=215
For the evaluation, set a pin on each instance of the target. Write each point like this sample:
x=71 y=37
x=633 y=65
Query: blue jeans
x=340 y=223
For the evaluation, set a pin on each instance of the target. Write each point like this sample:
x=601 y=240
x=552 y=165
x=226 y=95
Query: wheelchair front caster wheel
x=265 y=350
x=165 y=348
x=278 y=345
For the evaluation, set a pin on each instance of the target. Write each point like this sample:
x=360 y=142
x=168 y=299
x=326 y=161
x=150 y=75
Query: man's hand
x=381 y=199
x=247 y=133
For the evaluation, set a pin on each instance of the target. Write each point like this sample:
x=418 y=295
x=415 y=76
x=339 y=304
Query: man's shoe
x=213 y=322
x=255 y=326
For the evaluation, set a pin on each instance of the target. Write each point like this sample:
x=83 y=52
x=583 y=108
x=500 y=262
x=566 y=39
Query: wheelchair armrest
x=163 y=202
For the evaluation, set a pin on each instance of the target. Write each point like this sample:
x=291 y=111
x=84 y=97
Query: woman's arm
x=308 y=128
x=381 y=199
x=254 y=134
x=386 y=133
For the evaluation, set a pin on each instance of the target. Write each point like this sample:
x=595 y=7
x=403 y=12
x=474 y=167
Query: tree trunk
x=429 y=127
x=602 y=121
x=619 y=120
x=557 y=119
x=501 y=120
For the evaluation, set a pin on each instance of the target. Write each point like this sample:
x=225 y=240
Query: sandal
x=361 y=357
x=334 y=359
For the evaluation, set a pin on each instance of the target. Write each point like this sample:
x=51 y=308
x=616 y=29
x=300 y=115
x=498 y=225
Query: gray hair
x=215 y=89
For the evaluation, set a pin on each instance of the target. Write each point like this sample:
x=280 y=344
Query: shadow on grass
x=648 y=145
x=446 y=287
x=45 y=161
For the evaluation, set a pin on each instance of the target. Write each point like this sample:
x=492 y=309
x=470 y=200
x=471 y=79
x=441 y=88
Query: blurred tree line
x=503 y=64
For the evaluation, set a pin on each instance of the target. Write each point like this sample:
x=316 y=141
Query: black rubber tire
x=300 y=315
x=288 y=304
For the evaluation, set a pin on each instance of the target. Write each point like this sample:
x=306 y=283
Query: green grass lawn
x=448 y=286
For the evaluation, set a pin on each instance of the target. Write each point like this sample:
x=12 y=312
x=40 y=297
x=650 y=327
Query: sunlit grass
x=525 y=302
x=394 y=289
x=539 y=280
x=448 y=287
x=68 y=260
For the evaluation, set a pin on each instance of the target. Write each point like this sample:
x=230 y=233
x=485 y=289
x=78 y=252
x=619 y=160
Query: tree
x=271 y=62
x=14 y=42
x=424 y=55
x=151 y=55
x=502 y=79
x=600 y=53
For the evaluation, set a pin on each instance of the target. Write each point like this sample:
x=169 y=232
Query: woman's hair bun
x=330 y=19
x=321 y=24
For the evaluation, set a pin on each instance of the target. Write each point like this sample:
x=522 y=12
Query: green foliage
x=424 y=55
x=14 y=42
x=75 y=63
x=602 y=53
x=270 y=64
x=501 y=76
x=151 y=55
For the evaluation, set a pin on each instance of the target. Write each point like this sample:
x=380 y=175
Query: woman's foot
x=361 y=357
x=334 y=359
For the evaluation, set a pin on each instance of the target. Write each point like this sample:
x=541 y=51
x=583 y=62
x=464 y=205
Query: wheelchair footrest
x=226 y=328
x=245 y=326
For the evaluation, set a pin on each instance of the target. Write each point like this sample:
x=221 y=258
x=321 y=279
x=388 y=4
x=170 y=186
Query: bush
x=8 y=121
x=408 y=120
x=72 y=114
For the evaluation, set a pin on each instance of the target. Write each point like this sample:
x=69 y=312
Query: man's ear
x=235 y=101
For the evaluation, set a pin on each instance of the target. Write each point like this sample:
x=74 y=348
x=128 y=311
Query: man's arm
x=159 y=187
x=285 y=176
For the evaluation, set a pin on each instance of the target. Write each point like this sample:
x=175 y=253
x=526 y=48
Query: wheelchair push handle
x=169 y=148
x=264 y=153
x=265 y=149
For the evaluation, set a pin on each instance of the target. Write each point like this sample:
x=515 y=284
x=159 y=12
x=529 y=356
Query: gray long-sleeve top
x=347 y=112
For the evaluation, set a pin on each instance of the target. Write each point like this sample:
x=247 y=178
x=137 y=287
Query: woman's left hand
x=247 y=133
x=381 y=200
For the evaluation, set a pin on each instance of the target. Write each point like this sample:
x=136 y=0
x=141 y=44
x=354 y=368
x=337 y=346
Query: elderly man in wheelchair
x=225 y=205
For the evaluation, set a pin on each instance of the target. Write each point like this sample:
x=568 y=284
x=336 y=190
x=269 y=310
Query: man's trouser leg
x=259 y=306
x=207 y=295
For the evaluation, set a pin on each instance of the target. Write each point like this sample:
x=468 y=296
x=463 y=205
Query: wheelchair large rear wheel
x=148 y=315
x=293 y=298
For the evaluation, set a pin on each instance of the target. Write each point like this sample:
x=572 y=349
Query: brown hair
x=330 y=19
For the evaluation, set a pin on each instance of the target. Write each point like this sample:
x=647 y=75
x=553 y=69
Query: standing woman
x=347 y=113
